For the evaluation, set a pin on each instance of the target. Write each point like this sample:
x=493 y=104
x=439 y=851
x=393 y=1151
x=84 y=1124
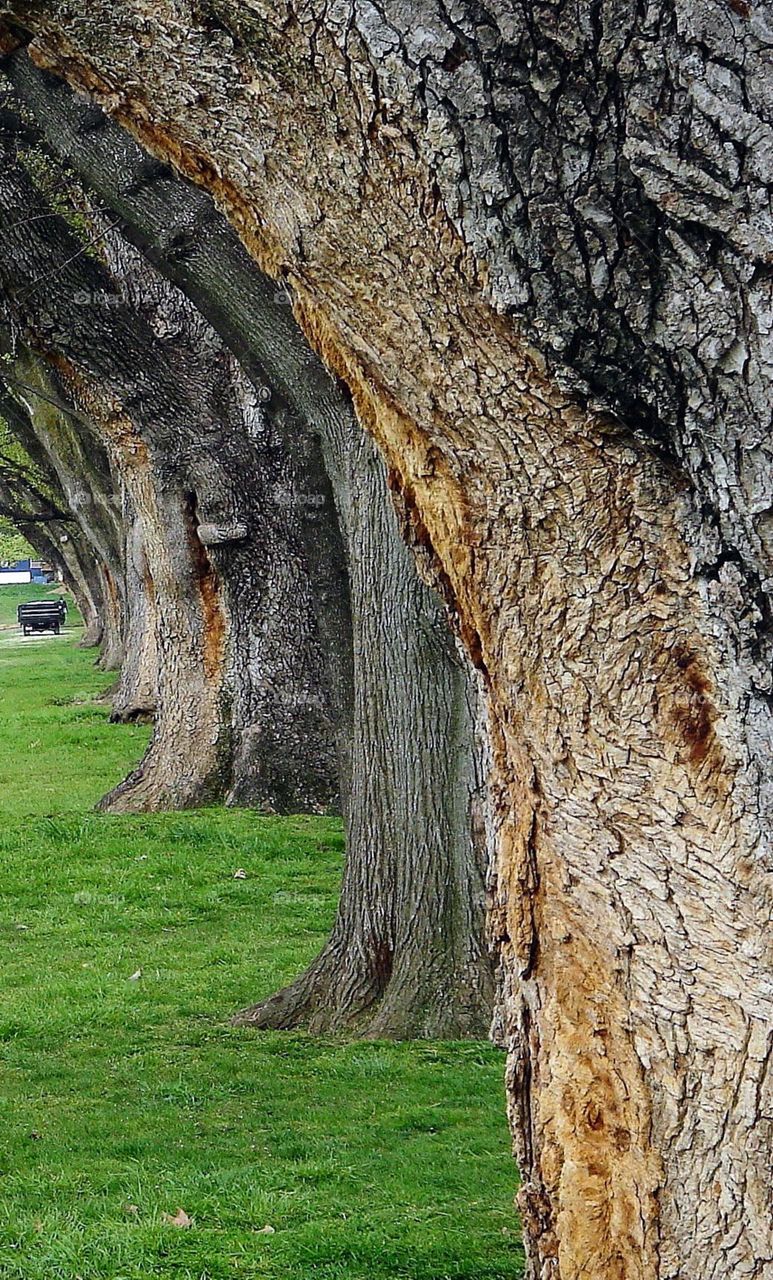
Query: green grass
x=58 y=752
x=122 y=1100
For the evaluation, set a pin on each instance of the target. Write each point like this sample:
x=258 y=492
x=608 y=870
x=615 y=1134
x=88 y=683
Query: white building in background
x=11 y=574
x=24 y=571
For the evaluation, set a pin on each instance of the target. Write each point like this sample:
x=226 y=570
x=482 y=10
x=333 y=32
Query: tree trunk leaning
x=531 y=245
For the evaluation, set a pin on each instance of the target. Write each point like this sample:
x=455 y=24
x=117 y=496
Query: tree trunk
x=401 y=819
x=231 y=475
x=179 y=230
x=612 y=576
x=135 y=698
x=408 y=954
x=188 y=760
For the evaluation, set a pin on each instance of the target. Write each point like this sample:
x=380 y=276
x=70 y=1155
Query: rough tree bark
x=503 y=224
x=233 y=477
x=408 y=954
x=178 y=229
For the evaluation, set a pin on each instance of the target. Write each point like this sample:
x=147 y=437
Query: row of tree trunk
x=270 y=619
x=32 y=498
x=533 y=242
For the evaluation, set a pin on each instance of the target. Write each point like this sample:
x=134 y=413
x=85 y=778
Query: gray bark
x=505 y=223
x=408 y=954
x=135 y=697
x=231 y=474
x=179 y=230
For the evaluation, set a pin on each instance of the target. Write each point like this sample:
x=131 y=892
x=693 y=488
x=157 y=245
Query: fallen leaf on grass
x=134 y=976
x=241 y=874
x=180 y=1219
x=132 y=1209
x=265 y=1231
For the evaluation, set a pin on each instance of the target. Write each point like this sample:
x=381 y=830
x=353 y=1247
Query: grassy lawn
x=124 y=1098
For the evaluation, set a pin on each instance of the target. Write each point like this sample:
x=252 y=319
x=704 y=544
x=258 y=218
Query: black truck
x=42 y=615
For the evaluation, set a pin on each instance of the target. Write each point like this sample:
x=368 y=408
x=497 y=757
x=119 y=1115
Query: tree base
x=156 y=790
x=404 y=1001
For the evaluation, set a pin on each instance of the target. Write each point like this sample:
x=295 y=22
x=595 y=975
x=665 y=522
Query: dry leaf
x=180 y=1219
x=265 y=1231
x=241 y=874
x=133 y=1209
x=134 y=976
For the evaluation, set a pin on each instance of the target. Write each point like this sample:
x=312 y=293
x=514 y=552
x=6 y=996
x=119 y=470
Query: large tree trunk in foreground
x=409 y=953
x=612 y=575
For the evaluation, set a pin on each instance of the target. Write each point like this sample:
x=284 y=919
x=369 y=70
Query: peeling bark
x=598 y=174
